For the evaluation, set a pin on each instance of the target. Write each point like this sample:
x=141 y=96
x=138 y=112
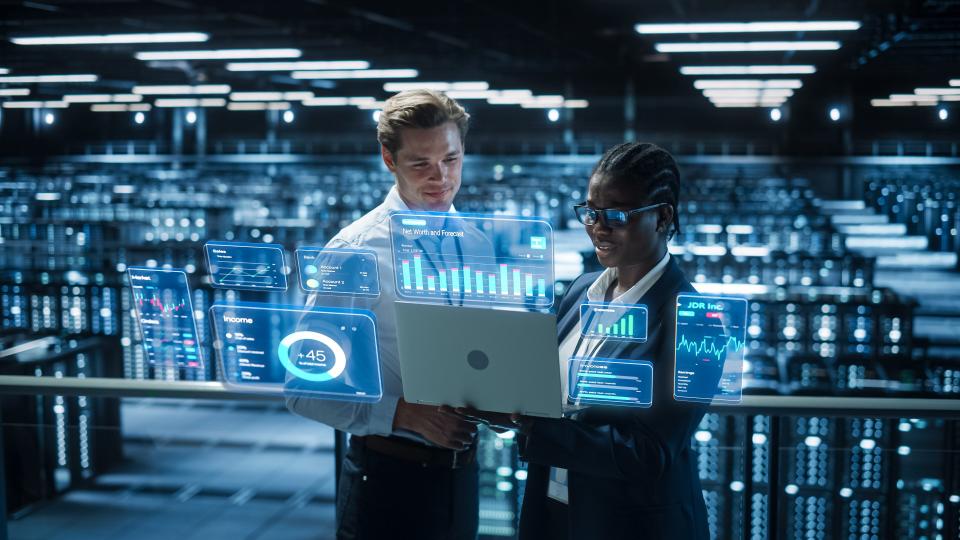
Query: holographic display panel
x=473 y=259
x=623 y=322
x=319 y=352
x=606 y=381
x=165 y=315
x=709 y=344
x=338 y=271
x=242 y=265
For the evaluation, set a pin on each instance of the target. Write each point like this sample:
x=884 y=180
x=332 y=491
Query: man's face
x=427 y=166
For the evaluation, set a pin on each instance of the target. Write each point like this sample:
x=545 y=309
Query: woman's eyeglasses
x=610 y=217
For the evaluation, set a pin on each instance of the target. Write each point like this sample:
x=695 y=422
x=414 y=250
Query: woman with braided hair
x=618 y=472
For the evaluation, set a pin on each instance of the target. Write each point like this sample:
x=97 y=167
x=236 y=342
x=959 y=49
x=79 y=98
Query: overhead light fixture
x=120 y=107
x=542 y=102
x=439 y=86
x=87 y=98
x=328 y=101
x=139 y=118
x=36 y=79
x=745 y=27
x=771 y=102
x=102 y=98
x=220 y=54
x=270 y=96
x=191 y=117
x=49 y=118
x=258 y=106
x=298 y=66
x=834 y=114
x=745 y=104
x=901 y=103
x=510 y=97
x=776 y=114
x=113 y=39
x=747 y=92
x=14 y=91
x=35 y=105
x=937 y=91
x=747 y=46
x=909 y=97
x=748 y=97
x=575 y=104
x=472 y=94
x=553 y=115
x=190 y=102
x=703 y=84
x=4 y=71
x=804 y=69
x=288 y=117
x=371 y=106
x=943 y=114
x=358 y=74
x=175 y=89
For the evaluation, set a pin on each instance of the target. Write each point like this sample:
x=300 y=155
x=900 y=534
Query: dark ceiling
x=582 y=49
x=543 y=44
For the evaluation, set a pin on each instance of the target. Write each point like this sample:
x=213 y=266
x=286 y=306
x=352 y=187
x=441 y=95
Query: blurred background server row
x=820 y=179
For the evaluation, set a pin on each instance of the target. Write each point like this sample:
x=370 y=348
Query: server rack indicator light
x=165 y=315
x=338 y=271
x=710 y=348
x=243 y=265
x=608 y=381
x=624 y=322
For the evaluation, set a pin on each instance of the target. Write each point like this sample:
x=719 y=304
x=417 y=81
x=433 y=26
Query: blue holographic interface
x=165 y=315
x=473 y=259
x=623 y=322
x=317 y=352
x=607 y=381
x=338 y=271
x=710 y=348
x=242 y=265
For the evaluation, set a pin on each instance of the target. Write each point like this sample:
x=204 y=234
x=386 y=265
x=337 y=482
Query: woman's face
x=639 y=241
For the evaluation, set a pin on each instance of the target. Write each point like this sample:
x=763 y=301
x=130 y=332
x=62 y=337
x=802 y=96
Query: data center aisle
x=202 y=470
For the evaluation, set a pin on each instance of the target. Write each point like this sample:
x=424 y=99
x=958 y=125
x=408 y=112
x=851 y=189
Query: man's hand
x=439 y=425
x=499 y=422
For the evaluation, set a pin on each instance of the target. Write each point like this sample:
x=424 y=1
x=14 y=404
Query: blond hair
x=418 y=109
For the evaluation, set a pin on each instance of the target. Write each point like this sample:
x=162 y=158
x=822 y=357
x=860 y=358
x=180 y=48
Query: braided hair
x=651 y=168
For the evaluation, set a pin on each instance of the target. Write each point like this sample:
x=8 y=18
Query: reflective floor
x=201 y=470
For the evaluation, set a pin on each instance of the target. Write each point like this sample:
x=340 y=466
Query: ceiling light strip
x=299 y=66
x=797 y=69
x=219 y=54
x=747 y=27
x=358 y=74
x=747 y=46
x=112 y=39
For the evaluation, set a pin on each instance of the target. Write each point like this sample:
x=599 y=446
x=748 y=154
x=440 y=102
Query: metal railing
x=775 y=406
x=839 y=406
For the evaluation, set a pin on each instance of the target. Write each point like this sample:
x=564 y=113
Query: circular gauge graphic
x=312 y=361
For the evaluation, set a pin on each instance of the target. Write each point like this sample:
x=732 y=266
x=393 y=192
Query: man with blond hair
x=410 y=471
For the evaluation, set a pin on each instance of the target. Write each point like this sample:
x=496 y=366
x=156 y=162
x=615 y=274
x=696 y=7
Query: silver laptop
x=493 y=360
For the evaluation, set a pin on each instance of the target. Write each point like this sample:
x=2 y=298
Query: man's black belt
x=407 y=450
